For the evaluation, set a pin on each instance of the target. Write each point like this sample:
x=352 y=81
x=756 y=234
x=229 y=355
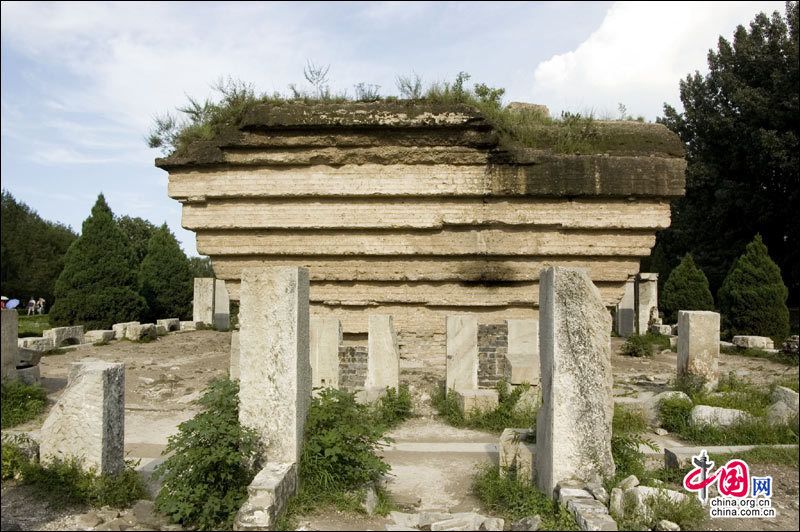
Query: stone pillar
x=88 y=422
x=275 y=372
x=383 y=360
x=234 y=369
x=222 y=306
x=10 y=330
x=522 y=357
x=573 y=426
x=326 y=337
x=626 y=310
x=646 y=300
x=462 y=352
x=203 y=304
x=698 y=345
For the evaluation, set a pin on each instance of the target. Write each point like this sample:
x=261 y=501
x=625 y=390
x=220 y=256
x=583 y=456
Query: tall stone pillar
x=203 y=302
x=383 y=354
x=275 y=372
x=8 y=351
x=698 y=345
x=573 y=426
x=88 y=422
x=462 y=352
x=222 y=306
x=522 y=357
x=646 y=300
x=625 y=316
x=326 y=337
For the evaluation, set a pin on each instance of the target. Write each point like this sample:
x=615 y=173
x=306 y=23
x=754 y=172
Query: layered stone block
x=88 y=422
x=522 y=357
x=383 y=362
x=646 y=301
x=275 y=371
x=573 y=426
x=326 y=337
x=462 y=352
x=203 y=302
x=222 y=306
x=698 y=346
x=10 y=330
x=170 y=324
x=65 y=335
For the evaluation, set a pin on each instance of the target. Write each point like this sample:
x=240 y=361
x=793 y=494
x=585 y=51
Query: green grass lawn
x=33 y=325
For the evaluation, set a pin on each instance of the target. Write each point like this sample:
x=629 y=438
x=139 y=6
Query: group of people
x=34 y=306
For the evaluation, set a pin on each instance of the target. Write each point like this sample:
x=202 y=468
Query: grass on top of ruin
x=527 y=126
x=513 y=409
x=33 y=325
x=755 y=428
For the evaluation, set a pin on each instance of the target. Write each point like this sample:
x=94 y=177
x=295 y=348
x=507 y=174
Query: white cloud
x=638 y=54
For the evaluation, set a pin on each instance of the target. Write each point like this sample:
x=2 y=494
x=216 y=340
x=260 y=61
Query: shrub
x=21 y=402
x=393 y=408
x=644 y=345
x=626 y=438
x=213 y=461
x=753 y=297
x=687 y=514
x=98 y=285
x=65 y=482
x=165 y=279
x=515 y=499
x=686 y=289
x=508 y=412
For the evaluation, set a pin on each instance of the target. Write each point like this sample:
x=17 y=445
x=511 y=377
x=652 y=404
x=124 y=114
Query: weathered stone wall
x=352 y=367
x=492 y=350
x=420 y=211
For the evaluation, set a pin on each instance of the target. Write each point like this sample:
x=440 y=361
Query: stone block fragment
x=37 y=343
x=203 y=302
x=326 y=337
x=29 y=374
x=93 y=337
x=28 y=357
x=222 y=306
x=88 y=422
x=275 y=371
x=65 y=335
x=8 y=349
x=462 y=352
x=383 y=363
x=191 y=325
x=664 y=330
x=476 y=400
x=698 y=346
x=522 y=357
x=573 y=427
x=753 y=342
x=121 y=328
x=141 y=331
x=171 y=324
x=516 y=454
x=714 y=415
x=268 y=494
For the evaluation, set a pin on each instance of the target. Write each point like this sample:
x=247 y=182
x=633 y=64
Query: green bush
x=515 y=499
x=98 y=285
x=210 y=463
x=626 y=438
x=685 y=289
x=753 y=297
x=64 y=482
x=644 y=345
x=508 y=412
x=165 y=279
x=688 y=514
x=21 y=402
x=393 y=407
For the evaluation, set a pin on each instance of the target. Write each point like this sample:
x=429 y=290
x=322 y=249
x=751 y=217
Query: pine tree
x=686 y=289
x=98 y=285
x=165 y=278
x=753 y=297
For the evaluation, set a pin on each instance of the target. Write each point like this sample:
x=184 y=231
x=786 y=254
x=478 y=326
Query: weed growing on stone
x=645 y=345
x=626 y=438
x=210 y=463
x=687 y=513
x=508 y=413
x=21 y=402
x=392 y=408
x=64 y=482
x=515 y=499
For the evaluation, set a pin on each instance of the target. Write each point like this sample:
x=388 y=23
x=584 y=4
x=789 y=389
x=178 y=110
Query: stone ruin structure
x=420 y=211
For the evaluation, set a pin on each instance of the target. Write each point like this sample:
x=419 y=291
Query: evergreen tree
x=98 y=285
x=138 y=232
x=742 y=135
x=753 y=297
x=686 y=289
x=165 y=278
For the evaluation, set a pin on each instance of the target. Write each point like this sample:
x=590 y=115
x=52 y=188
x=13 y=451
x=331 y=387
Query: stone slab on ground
x=191 y=325
x=37 y=343
x=476 y=400
x=714 y=415
x=753 y=342
x=88 y=422
x=676 y=457
x=142 y=331
x=101 y=335
x=267 y=496
x=61 y=335
x=171 y=324
x=121 y=328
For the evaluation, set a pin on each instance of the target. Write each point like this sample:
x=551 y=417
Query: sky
x=82 y=82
